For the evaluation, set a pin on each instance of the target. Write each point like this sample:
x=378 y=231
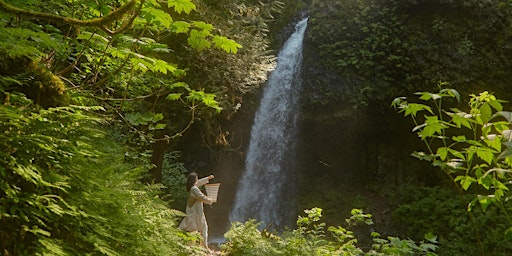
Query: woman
x=195 y=219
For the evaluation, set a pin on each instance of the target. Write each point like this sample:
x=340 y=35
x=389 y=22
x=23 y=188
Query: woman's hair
x=191 y=180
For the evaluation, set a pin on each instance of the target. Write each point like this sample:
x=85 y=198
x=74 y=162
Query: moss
x=21 y=74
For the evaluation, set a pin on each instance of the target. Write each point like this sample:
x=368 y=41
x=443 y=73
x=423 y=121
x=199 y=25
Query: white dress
x=195 y=219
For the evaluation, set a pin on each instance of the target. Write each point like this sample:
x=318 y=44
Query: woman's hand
x=211 y=177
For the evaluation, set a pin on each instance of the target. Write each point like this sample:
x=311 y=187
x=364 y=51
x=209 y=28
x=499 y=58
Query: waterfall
x=264 y=190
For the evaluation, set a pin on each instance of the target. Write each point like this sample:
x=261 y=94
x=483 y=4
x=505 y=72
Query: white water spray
x=263 y=191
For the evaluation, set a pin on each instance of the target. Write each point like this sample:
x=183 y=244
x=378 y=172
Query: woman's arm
x=199 y=196
x=204 y=180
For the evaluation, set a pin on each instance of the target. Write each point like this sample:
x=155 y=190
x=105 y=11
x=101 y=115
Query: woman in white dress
x=195 y=219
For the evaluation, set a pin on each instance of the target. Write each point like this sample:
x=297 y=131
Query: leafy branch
x=473 y=148
x=101 y=23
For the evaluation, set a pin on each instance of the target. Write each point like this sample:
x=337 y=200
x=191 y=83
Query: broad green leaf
x=499 y=193
x=139 y=64
x=226 y=44
x=442 y=152
x=485 y=154
x=179 y=85
x=414 y=108
x=499 y=185
x=180 y=27
x=198 y=41
x=196 y=95
x=465 y=181
x=485 y=112
x=180 y=6
x=434 y=126
x=173 y=96
x=157 y=127
x=479 y=172
x=457 y=154
x=157 y=16
x=461 y=119
x=451 y=92
x=485 y=181
x=119 y=52
x=162 y=67
x=158 y=117
x=428 y=96
x=493 y=141
x=203 y=26
x=496 y=104
x=471 y=151
x=99 y=39
x=501 y=126
x=484 y=201
x=459 y=138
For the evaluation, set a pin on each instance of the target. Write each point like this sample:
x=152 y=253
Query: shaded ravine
x=267 y=182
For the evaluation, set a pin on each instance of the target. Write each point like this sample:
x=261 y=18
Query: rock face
x=355 y=159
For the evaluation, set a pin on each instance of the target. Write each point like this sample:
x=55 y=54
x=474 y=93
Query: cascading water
x=264 y=189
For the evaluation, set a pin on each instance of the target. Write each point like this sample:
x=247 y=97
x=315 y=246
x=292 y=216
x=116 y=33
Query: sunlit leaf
x=414 y=108
x=226 y=44
x=198 y=41
x=442 y=152
x=461 y=119
x=485 y=154
x=485 y=112
x=428 y=96
x=180 y=6
x=203 y=26
x=484 y=201
x=173 y=96
x=451 y=92
x=180 y=27
x=434 y=126
x=157 y=16
x=485 y=181
x=465 y=181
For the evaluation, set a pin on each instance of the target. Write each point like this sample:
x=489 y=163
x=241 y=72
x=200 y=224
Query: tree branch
x=97 y=22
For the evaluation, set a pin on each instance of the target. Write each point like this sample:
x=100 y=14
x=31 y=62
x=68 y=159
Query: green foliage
x=38 y=148
x=471 y=147
x=67 y=189
x=381 y=49
x=311 y=238
x=246 y=239
x=443 y=212
x=174 y=175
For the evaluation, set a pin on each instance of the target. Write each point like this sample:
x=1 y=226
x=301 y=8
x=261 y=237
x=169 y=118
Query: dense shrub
x=444 y=212
x=313 y=237
x=67 y=188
